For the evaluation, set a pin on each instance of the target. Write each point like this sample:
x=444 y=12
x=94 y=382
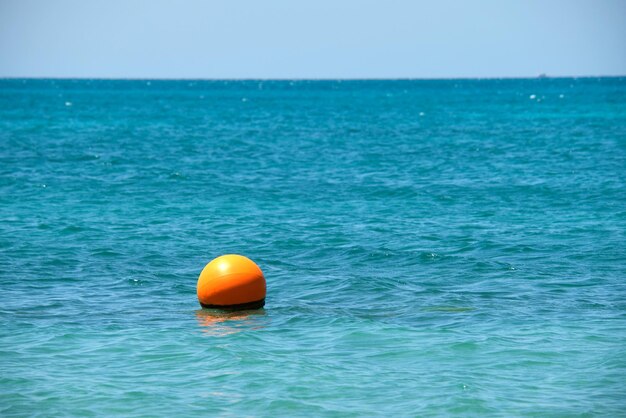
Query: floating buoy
x=231 y=282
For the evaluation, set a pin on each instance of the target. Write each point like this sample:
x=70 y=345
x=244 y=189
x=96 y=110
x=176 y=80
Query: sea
x=431 y=247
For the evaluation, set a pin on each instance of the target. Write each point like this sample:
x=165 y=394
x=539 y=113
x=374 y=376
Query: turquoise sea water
x=431 y=248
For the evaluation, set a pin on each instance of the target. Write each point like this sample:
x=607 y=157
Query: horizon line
x=540 y=76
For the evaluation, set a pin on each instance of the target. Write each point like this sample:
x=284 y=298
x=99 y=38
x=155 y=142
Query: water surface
x=432 y=248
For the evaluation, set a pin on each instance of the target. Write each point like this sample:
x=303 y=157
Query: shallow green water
x=431 y=248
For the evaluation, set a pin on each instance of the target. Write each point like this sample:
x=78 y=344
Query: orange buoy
x=231 y=282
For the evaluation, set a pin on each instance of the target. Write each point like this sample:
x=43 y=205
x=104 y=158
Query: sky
x=311 y=38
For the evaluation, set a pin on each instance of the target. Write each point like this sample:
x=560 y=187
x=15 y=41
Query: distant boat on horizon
x=542 y=75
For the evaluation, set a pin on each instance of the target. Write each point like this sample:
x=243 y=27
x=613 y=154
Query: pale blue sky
x=311 y=39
